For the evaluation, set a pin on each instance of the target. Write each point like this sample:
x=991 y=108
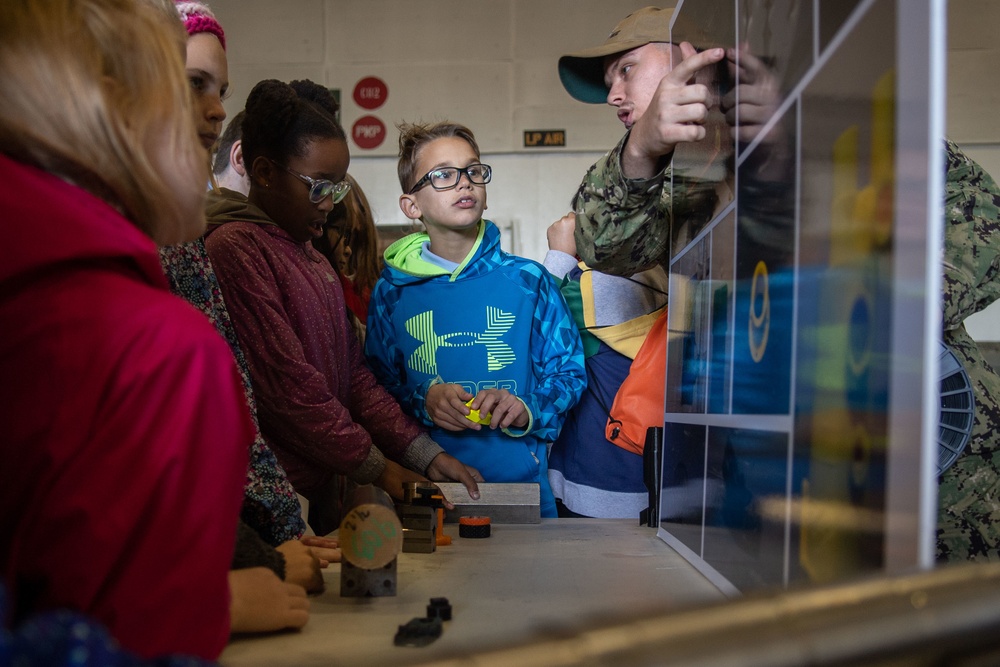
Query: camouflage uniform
x=969 y=493
x=623 y=227
x=613 y=214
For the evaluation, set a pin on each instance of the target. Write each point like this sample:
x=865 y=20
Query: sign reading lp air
x=544 y=138
x=370 y=92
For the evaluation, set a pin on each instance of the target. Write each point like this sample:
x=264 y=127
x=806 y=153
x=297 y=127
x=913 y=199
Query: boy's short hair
x=232 y=134
x=414 y=136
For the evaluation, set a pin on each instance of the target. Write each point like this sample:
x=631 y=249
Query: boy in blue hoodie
x=476 y=343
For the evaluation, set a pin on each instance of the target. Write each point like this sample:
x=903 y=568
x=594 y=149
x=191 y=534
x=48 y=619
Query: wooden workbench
x=523 y=582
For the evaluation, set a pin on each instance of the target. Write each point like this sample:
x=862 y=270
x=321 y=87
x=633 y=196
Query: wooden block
x=502 y=502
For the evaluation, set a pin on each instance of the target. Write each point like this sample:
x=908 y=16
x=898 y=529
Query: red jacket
x=124 y=427
x=318 y=403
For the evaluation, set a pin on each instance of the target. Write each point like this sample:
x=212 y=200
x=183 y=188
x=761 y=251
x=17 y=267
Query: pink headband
x=197 y=17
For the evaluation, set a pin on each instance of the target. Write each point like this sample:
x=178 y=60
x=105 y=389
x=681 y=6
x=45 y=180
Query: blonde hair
x=414 y=136
x=95 y=92
x=365 y=262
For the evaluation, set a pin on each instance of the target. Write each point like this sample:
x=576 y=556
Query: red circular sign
x=368 y=132
x=370 y=93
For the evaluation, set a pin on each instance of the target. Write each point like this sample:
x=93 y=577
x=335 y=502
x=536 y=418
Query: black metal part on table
x=652 y=475
x=418 y=632
x=356 y=582
x=439 y=608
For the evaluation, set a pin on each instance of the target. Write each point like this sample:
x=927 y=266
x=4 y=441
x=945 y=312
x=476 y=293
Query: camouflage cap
x=582 y=73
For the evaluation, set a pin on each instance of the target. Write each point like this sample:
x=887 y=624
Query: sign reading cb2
x=370 y=92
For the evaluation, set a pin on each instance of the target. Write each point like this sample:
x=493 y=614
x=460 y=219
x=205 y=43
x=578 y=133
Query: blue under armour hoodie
x=496 y=321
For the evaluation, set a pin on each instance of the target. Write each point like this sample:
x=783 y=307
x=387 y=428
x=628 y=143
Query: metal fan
x=958 y=408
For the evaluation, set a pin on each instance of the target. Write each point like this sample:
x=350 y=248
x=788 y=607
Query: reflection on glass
x=779 y=34
x=705 y=170
x=780 y=350
x=832 y=16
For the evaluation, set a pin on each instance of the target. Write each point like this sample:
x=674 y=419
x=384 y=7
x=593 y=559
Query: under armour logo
x=498 y=353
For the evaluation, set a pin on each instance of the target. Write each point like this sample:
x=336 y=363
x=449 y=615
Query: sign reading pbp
x=544 y=138
x=368 y=132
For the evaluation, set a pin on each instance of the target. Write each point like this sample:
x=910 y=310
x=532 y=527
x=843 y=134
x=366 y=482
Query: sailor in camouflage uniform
x=969 y=519
x=624 y=210
x=628 y=188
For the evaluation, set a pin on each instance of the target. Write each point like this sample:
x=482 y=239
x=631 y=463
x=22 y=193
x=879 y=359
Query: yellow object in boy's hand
x=473 y=416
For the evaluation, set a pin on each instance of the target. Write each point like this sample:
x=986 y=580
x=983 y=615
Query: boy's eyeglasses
x=321 y=188
x=446 y=178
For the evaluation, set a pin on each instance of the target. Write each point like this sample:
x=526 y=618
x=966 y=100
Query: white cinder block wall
x=974 y=105
x=491 y=64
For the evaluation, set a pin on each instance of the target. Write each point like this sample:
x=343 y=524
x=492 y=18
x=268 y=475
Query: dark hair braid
x=282 y=118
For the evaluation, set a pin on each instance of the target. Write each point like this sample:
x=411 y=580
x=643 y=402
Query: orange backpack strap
x=640 y=399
